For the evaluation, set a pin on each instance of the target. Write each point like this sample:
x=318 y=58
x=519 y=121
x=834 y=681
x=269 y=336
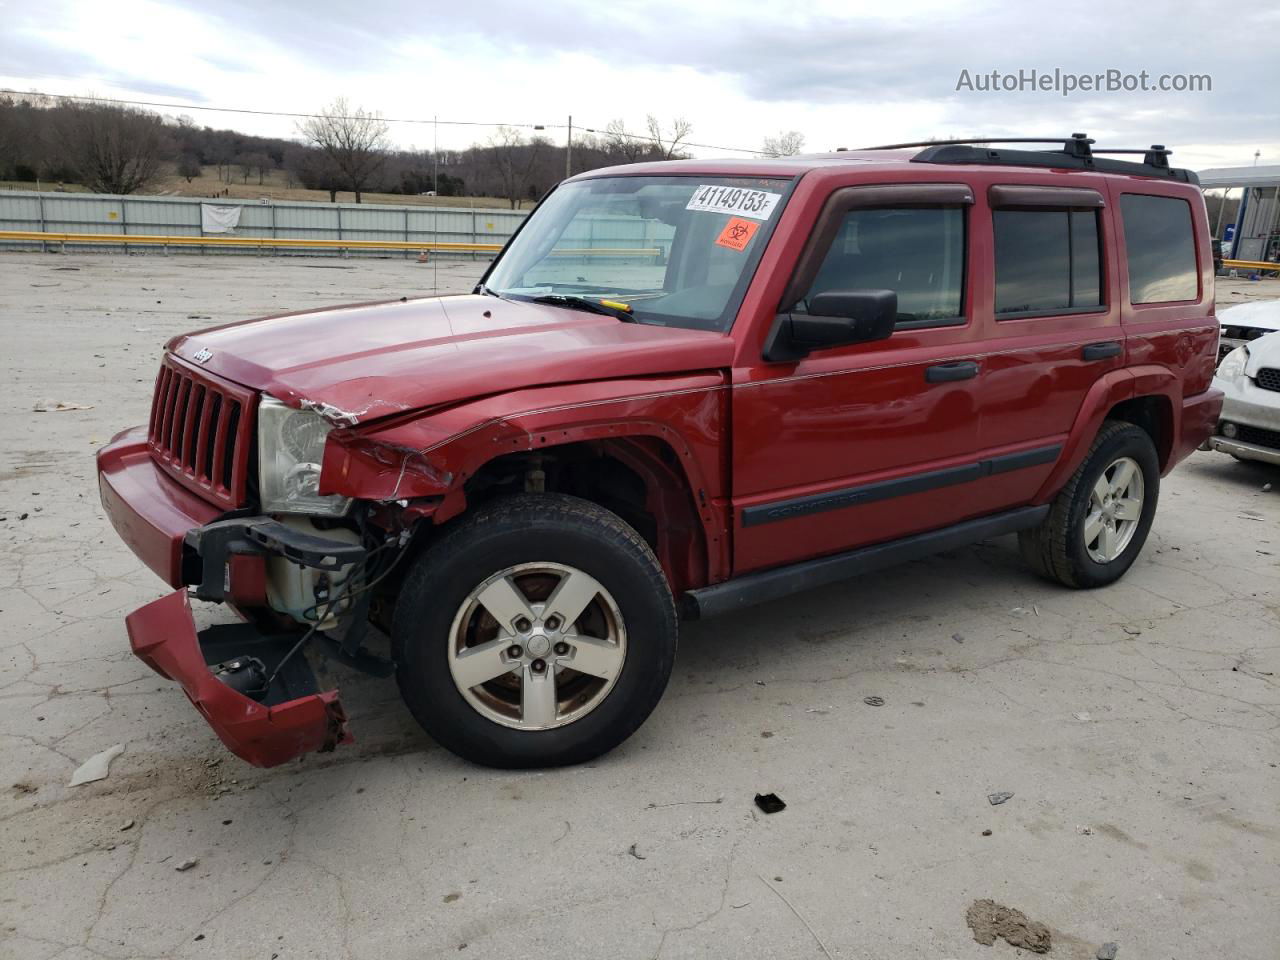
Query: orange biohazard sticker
x=737 y=233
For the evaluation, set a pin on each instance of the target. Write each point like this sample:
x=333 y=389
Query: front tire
x=539 y=631
x=1099 y=521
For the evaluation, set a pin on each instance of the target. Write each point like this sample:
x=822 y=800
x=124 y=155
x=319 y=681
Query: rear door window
x=1161 y=248
x=1047 y=261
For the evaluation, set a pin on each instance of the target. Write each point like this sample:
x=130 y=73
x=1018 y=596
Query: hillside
x=275 y=186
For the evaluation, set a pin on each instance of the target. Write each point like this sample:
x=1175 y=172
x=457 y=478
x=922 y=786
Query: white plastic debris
x=96 y=767
x=58 y=406
x=1082 y=716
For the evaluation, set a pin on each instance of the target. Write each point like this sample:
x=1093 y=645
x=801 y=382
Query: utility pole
x=435 y=154
x=568 y=150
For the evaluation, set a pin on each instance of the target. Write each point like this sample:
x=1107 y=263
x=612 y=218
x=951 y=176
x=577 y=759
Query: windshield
x=675 y=251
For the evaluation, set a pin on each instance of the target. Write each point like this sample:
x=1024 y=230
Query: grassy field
x=275 y=186
x=46 y=185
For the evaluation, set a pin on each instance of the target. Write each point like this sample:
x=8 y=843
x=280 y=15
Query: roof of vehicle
x=755 y=166
x=1075 y=154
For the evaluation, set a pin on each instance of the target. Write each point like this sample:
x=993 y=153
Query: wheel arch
x=1154 y=414
x=1147 y=396
x=638 y=476
x=664 y=447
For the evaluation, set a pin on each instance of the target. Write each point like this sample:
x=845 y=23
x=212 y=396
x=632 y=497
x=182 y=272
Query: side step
x=742 y=592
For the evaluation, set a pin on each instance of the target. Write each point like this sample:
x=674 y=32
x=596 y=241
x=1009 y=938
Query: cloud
x=842 y=72
x=37 y=62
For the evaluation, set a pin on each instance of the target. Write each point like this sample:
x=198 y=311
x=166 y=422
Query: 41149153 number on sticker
x=757 y=204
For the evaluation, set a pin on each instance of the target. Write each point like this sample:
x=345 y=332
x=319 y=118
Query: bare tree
x=315 y=171
x=513 y=158
x=189 y=167
x=353 y=139
x=783 y=145
x=223 y=155
x=667 y=142
x=250 y=163
x=263 y=164
x=10 y=135
x=618 y=141
x=112 y=149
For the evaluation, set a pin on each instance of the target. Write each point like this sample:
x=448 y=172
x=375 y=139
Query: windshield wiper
x=487 y=292
x=584 y=303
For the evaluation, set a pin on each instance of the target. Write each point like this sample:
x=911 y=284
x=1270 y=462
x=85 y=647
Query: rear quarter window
x=1160 y=245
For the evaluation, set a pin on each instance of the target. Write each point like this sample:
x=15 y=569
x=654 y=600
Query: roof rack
x=1078 y=153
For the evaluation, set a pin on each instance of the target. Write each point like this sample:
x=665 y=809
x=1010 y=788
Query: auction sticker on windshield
x=757 y=204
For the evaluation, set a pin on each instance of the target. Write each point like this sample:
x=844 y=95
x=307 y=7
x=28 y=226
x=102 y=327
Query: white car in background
x=1246 y=322
x=1249 y=376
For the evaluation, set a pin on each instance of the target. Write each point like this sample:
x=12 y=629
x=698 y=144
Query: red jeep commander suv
x=682 y=388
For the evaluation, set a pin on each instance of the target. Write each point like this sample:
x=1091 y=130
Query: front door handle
x=1101 y=351
x=946 y=372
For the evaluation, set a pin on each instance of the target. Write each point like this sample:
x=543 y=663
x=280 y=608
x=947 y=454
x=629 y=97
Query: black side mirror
x=835 y=318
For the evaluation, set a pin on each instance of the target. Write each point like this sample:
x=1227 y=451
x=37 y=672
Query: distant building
x=1257 y=223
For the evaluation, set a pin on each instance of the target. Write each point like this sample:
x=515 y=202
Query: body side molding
x=767 y=585
x=899 y=487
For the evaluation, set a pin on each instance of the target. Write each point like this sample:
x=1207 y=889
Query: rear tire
x=1099 y=521
x=559 y=680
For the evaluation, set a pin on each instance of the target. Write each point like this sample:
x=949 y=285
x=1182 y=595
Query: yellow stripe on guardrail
x=278 y=242
x=291 y=243
x=1250 y=265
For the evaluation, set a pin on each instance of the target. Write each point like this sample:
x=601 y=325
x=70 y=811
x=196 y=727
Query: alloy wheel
x=537 y=646
x=1115 y=509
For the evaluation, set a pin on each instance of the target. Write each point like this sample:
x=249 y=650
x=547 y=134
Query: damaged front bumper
x=1249 y=427
x=294 y=717
x=191 y=543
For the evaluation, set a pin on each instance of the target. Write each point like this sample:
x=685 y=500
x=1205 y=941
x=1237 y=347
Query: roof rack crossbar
x=1077 y=152
x=1156 y=155
x=1078 y=144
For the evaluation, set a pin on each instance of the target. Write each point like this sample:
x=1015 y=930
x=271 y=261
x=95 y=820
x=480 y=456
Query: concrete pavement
x=1136 y=727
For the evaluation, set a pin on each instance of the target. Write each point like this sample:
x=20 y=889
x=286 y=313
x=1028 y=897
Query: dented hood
x=360 y=362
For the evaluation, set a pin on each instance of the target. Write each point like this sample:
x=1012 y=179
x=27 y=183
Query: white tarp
x=217 y=218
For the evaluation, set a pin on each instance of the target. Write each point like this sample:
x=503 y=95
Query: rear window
x=1161 y=248
x=1047 y=261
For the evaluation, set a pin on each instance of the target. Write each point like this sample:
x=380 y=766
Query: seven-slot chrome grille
x=201 y=431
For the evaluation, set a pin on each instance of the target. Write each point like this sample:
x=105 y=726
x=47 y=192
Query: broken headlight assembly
x=290 y=451
x=1233 y=364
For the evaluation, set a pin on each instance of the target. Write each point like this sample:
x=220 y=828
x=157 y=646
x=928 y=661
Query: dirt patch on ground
x=988 y=920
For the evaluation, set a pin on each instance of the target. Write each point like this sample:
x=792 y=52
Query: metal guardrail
x=78 y=213
x=33 y=236
x=1250 y=265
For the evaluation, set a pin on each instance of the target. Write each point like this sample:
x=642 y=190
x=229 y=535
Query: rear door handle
x=946 y=372
x=1101 y=351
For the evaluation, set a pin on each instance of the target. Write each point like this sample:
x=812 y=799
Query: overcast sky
x=842 y=72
